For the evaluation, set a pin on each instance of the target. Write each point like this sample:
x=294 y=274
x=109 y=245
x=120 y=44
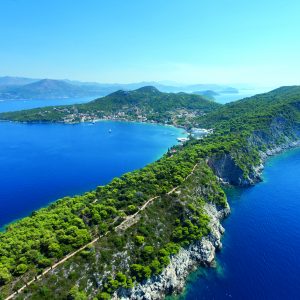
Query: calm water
x=226 y=98
x=261 y=254
x=42 y=162
x=13 y=105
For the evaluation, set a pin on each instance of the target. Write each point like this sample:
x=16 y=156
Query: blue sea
x=261 y=254
x=20 y=104
x=40 y=163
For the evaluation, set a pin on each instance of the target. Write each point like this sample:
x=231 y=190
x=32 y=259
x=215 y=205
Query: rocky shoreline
x=172 y=280
x=276 y=150
x=256 y=174
x=229 y=173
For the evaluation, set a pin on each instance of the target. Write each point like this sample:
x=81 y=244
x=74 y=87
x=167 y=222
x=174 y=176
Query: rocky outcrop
x=228 y=172
x=282 y=135
x=172 y=279
x=273 y=151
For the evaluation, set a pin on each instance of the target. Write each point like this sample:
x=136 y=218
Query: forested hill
x=256 y=111
x=146 y=103
x=150 y=98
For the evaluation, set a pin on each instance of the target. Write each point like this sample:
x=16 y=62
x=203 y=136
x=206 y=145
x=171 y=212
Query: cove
x=40 y=163
x=260 y=256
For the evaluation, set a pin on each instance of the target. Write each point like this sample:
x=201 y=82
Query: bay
x=40 y=163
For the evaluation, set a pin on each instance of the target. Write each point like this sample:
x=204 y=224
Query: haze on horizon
x=225 y=41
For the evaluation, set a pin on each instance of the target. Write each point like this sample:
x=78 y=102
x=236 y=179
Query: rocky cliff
x=226 y=167
x=281 y=136
x=172 y=279
x=229 y=172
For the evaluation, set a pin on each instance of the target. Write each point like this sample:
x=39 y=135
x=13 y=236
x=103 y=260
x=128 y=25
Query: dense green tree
x=76 y=294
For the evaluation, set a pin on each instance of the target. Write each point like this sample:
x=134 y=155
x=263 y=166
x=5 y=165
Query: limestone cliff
x=172 y=279
x=280 y=136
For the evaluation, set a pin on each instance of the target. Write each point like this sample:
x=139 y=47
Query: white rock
x=172 y=279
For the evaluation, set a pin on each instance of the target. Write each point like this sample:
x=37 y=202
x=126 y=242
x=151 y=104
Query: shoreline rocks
x=229 y=173
x=264 y=155
x=173 y=278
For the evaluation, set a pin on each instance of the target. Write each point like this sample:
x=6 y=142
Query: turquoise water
x=261 y=254
x=42 y=162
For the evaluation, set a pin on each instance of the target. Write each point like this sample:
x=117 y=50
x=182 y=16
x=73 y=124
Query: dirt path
x=128 y=222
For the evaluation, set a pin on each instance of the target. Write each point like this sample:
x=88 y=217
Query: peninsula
x=139 y=236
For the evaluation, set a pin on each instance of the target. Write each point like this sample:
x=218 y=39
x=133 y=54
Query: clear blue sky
x=193 y=41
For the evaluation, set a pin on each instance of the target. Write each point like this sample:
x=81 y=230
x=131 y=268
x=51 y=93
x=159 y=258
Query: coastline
x=271 y=152
x=173 y=278
x=172 y=281
x=230 y=169
x=99 y=121
x=202 y=282
x=84 y=190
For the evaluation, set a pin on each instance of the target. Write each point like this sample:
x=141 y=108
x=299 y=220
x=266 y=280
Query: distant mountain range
x=29 y=88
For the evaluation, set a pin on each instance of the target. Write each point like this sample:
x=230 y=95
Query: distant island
x=139 y=236
x=208 y=93
x=30 y=88
x=146 y=104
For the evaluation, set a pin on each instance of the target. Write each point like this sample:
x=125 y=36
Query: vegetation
x=36 y=242
x=241 y=130
x=146 y=103
x=128 y=261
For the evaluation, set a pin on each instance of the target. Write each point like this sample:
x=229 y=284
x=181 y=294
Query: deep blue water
x=13 y=105
x=42 y=162
x=261 y=254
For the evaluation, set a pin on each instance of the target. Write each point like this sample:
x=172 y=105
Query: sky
x=191 y=41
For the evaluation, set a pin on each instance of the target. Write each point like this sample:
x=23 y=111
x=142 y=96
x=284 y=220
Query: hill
x=144 y=104
x=15 y=81
x=16 y=88
x=248 y=111
x=8 y=82
x=47 y=89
